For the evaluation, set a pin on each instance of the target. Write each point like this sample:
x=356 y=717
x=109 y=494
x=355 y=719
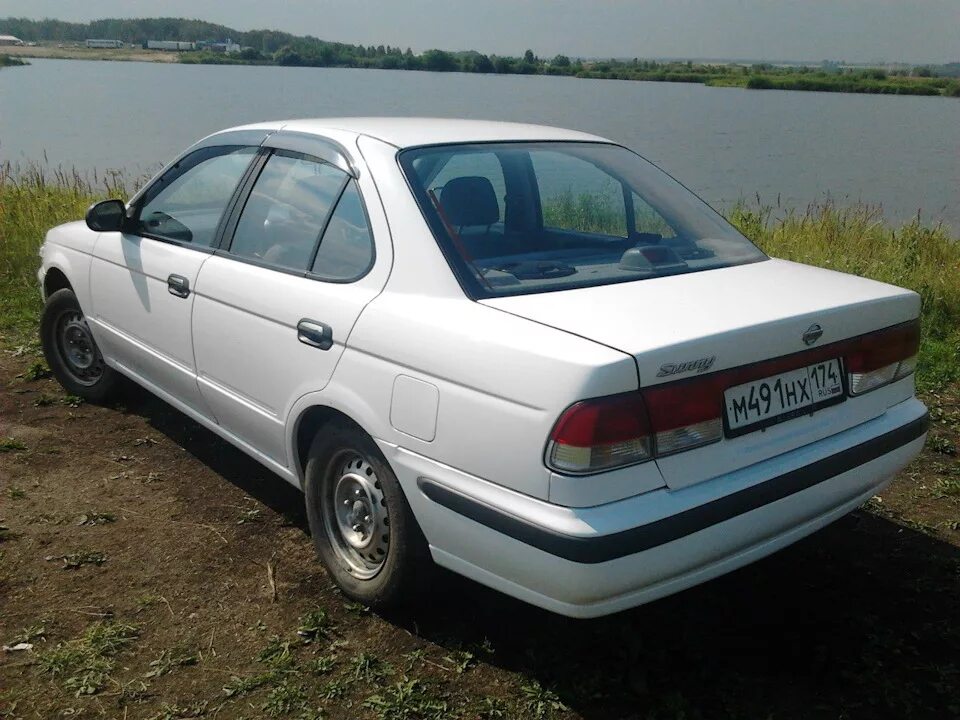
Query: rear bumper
x=586 y=562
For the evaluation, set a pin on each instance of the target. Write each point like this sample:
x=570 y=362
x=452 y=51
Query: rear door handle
x=178 y=285
x=315 y=334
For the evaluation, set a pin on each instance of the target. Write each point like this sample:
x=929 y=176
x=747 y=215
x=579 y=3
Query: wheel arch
x=55 y=279
x=310 y=421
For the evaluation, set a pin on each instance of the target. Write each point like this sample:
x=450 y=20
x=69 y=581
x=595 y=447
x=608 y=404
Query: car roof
x=405 y=132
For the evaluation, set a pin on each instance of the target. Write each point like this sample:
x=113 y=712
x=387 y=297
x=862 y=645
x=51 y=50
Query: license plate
x=761 y=403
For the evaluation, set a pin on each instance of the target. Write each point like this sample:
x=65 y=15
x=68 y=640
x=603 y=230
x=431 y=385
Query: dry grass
x=32 y=200
x=924 y=258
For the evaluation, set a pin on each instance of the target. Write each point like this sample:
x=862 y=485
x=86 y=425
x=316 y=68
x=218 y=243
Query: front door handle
x=178 y=285
x=315 y=334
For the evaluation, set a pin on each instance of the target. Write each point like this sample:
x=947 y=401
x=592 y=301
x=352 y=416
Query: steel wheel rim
x=356 y=518
x=77 y=348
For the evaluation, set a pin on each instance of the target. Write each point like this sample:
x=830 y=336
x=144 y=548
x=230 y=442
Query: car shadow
x=860 y=620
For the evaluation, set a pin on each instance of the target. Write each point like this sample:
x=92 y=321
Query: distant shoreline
x=48 y=52
x=762 y=77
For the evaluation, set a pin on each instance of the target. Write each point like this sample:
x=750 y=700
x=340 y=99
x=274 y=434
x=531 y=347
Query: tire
x=386 y=563
x=71 y=351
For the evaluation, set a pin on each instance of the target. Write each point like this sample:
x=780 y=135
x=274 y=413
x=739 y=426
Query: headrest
x=470 y=201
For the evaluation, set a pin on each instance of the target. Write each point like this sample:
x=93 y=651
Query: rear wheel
x=71 y=351
x=362 y=527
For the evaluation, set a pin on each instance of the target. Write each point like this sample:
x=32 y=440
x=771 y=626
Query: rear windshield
x=515 y=218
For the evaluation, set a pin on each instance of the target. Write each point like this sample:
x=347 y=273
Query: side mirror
x=107 y=216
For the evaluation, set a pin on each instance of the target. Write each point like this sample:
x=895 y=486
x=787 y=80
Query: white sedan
x=522 y=353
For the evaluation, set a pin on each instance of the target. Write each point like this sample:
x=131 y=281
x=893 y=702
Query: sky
x=912 y=31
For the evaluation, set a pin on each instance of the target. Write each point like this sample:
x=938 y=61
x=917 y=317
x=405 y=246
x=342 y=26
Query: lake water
x=725 y=143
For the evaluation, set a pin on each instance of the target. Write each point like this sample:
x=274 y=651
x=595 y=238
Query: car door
x=142 y=279
x=276 y=303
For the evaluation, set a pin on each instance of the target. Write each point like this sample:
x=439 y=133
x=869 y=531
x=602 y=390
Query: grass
x=8 y=61
x=37 y=370
x=918 y=256
x=314 y=626
x=85 y=663
x=170 y=660
x=32 y=200
x=78 y=559
x=11 y=445
x=860 y=82
x=369 y=668
x=540 y=702
x=407 y=700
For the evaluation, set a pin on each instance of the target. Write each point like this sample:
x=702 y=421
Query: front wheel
x=362 y=527
x=71 y=351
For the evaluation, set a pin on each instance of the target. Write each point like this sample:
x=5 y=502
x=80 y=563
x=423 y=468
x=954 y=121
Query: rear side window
x=346 y=249
x=565 y=215
x=287 y=210
x=186 y=203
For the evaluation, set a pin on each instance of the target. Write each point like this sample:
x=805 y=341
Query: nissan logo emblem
x=812 y=334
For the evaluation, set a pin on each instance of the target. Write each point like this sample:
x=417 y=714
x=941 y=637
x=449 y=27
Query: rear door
x=276 y=303
x=143 y=280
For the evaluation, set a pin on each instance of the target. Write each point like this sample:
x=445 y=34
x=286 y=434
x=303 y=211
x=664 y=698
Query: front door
x=143 y=280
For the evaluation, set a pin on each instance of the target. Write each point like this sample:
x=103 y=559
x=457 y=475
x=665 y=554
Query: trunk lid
x=681 y=326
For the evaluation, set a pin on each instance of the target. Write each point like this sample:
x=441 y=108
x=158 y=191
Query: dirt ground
x=159 y=573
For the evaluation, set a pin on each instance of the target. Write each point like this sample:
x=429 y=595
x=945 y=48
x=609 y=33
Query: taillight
x=619 y=430
x=686 y=414
x=880 y=358
x=600 y=434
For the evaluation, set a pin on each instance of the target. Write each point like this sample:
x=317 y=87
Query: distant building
x=10 y=40
x=227 y=46
x=170 y=45
x=115 y=44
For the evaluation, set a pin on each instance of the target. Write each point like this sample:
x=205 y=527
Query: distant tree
x=440 y=61
x=759 y=82
x=560 y=61
x=482 y=64
x=502 y=65
x=287 y=56
x=391 y=62
x=923 y=72
x=529 y=57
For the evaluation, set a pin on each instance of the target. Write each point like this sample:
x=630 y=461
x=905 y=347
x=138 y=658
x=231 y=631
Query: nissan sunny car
x=522 y=353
